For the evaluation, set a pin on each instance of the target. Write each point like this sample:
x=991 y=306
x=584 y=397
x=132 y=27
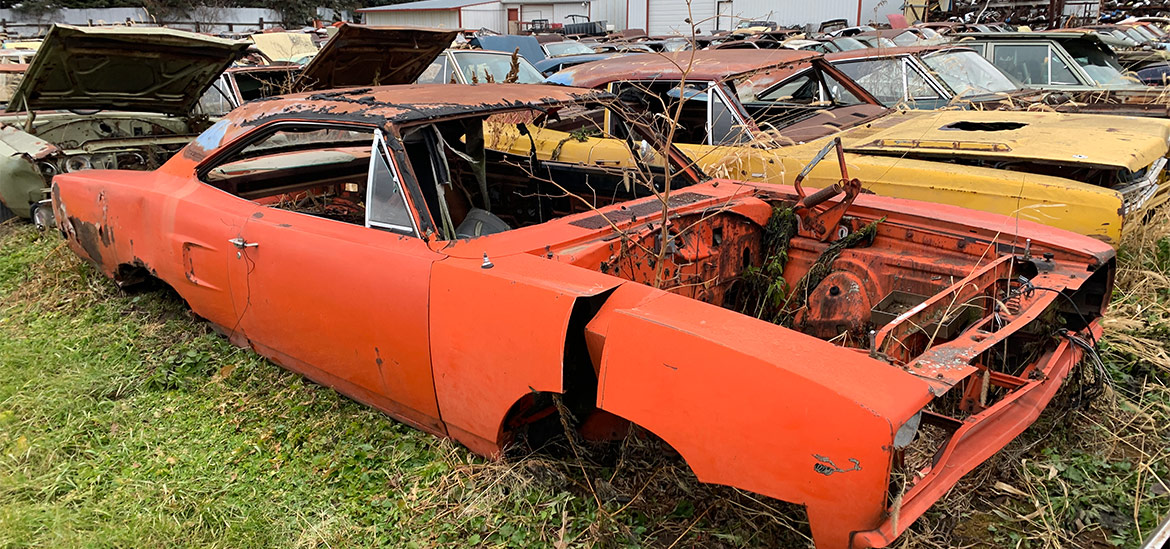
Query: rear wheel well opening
x=133 y=276
x=136 y=278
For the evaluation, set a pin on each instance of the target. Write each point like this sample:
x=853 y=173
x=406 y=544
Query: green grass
x=124 y=421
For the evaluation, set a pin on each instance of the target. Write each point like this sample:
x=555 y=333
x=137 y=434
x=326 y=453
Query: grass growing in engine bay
x=125 y=421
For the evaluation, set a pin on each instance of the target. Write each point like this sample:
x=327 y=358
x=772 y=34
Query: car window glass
x=967 y=73
x=1101 y=66
x=725 y=127
x=1061 y=74
x=386 y=206
x=1029 y=63
x=482 y=67
x=437 y=72
x=214 y=101
x=839 y=93
x=567 y=47
x=882 y=78
x=917 y=87
x=803 y=90
x=905 y=39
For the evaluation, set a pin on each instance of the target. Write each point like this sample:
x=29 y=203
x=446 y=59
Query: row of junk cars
x=841 y=280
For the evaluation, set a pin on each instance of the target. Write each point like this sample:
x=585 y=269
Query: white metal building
x=669 y=16
x=474 y=14
x=655 y=16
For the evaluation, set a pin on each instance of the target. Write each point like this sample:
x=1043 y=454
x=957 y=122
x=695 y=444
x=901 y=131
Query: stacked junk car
x=839 y=266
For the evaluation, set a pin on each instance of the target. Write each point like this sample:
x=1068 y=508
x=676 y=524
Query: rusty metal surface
x=360 y=55
x=890 y=52
x=387 y=105
x=461 y=337
x=698 y=65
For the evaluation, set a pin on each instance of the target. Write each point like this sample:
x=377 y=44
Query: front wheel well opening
x=630 y=468
x=548 y=423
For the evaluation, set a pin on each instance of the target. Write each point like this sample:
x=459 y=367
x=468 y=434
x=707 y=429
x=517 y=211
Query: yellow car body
x=1026 y=165
x=1054 y=201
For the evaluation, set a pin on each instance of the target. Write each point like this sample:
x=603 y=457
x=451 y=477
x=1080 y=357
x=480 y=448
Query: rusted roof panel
x=387 y=105
x=703 y=65
x=890 y=52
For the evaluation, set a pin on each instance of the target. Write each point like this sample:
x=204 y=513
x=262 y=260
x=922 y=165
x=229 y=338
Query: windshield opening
x=800 y=107
x=481 y=67
x=968 y=74
x=812 y=88
x=892 y=81
x=1145 y=34
x=906 y=39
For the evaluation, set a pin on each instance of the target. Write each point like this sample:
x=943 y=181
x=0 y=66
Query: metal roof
x=388 y=105
x=428 y=5
x=698 y=65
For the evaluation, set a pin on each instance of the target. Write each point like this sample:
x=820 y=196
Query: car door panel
x=345 y=304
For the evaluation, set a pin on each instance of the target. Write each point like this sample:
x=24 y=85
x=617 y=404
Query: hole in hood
x=984 y=126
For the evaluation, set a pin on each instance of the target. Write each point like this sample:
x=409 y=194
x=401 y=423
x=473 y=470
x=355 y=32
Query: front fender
x=499 y=333
x=756 y=406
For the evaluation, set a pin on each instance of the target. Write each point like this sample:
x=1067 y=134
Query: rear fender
x=92 y=213
x=755 y=406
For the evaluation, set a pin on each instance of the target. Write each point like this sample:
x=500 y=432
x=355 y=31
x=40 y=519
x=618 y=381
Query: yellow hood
x=1087 y=139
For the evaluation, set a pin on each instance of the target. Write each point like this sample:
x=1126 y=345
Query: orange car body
x=460 y=337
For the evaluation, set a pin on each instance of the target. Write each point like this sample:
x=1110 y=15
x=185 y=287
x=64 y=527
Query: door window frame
x=1069 y=63
x=379 y=150
x=259 y=133
x=739 y=121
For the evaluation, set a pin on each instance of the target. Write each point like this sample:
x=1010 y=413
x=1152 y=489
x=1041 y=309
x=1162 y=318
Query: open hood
x=374 y=56
x=142 y=69
x=1066 y=139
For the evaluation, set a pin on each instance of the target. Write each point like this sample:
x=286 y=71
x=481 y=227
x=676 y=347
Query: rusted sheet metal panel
x=384 y=106
x=386 y=356
x=359 y=55
x=699 y=65
x=772 y=388
x=147 y=69
x=977 y=439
